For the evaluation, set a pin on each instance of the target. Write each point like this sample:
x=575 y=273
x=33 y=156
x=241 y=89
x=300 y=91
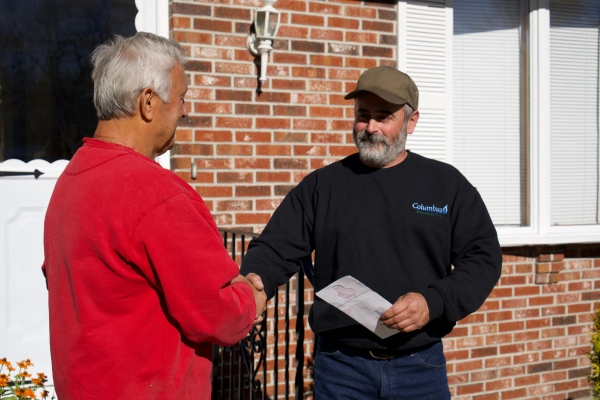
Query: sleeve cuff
x=435 y=302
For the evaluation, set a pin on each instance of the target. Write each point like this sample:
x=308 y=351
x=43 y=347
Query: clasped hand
x=260 y=297
x=409 y=313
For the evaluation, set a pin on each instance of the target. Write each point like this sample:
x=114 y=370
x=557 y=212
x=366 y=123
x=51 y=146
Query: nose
x=185 y=111
x=372 y=126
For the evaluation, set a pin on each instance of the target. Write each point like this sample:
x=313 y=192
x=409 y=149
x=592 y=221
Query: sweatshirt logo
x=432 y=210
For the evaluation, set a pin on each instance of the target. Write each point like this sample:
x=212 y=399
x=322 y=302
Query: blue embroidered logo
x=430 y=210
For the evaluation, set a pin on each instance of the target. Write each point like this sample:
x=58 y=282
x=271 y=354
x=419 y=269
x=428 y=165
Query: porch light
x=266 y=23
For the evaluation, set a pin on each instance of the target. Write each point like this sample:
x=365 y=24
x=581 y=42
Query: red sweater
x=138 y=281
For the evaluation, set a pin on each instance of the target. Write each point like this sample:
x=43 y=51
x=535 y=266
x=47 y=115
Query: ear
x=146 y=104
x=412 y=122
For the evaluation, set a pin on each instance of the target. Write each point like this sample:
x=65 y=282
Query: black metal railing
x=254 y=368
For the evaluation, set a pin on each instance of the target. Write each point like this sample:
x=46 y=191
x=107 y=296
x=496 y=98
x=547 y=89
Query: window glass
x=488 y=139
x=574 y=26
x=46 y=92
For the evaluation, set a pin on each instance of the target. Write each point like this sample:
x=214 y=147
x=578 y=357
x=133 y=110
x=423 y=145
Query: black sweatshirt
x=419 y=226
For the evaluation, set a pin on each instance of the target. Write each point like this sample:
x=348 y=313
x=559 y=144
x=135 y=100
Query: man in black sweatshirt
x=412 y=229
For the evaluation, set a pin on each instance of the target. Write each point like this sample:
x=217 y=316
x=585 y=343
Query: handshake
x=260 y=297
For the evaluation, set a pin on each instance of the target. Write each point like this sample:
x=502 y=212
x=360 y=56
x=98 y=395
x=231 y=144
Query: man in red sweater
x=139 y=282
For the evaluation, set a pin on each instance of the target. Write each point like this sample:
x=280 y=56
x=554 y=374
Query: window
x=45 y=86
x=510 y=90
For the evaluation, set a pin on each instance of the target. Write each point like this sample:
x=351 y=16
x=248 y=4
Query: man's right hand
x=260 y=297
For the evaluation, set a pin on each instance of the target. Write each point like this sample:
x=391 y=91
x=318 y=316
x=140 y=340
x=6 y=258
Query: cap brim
x=390 y=98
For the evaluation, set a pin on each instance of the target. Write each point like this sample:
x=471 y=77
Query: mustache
x=364 y=136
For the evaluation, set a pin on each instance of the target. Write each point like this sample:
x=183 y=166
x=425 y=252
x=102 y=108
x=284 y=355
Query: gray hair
x=408 y=112
x=124 y=67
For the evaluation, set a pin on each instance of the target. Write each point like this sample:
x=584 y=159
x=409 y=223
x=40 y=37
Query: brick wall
x=252 y=143
x=527 y=341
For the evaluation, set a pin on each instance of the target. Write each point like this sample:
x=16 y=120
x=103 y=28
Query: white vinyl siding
x=486 y=103
x=574 y=111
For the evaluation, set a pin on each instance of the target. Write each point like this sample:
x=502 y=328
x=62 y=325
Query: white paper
x=355 y=299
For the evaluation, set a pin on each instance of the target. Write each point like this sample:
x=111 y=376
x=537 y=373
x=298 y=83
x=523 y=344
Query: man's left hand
x=409 y=313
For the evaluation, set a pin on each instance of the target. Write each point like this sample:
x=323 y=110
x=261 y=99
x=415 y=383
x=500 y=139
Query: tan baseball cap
x=388 y=83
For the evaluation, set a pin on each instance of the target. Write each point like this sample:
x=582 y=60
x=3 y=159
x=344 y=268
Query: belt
x=388 y=355
x=377 y=354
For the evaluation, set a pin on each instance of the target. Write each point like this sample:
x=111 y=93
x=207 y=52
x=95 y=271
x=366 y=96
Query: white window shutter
x=574 y=67
x=423 y=54
x=487 y=138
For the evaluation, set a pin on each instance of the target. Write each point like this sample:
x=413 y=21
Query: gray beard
x=378 y=151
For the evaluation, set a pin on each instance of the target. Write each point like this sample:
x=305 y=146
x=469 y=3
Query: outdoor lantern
x=266 y=23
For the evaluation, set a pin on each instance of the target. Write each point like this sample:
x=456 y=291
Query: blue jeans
x=346 y=375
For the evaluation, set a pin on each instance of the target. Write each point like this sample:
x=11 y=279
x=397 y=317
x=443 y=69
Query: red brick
x=326 y=60
x=527 y=291
x=501 y=292
x=234 y=177
x=304 y=19
x=326 y=138
x=345 y=23
x=538 y=323
x=234 y=205
x=499 y=316
x=370 y=26
x=306 y=150
x=514 y=394
x=292 y=32
x=214 y=191
x=289 y=163
x=556 y=310
x=470 y=389
x=255 y=218
x=212 y=53
x=212 y=136
x=272 y=123
x=342 y=151
x=180 y=22
x=191 y=37
x=289 y=110
x=252 y=136
x=512 y=348
x=213 y=163
x=309 y=124
x=253 y=163
x=295 y=137
x=363 y=63
x=252 y=109
x=527 y=380
x=511 y=326
x=360 y=12
x=326 y=34
x=232 y=13
x=234 y=149
x=324 y=8
x=273 y=97
x=542 y=300
x=213 y=108
x=277 y=150
x=469 y=366
x=289 y=84
x=231 y=122
x=343 y=48
x=253 y=191
x=497 y=339
x=309 y=98
x=234 y=68
x=456 y=355
x=308 y=72
x=273 y=177
x=270 y=204
x=498 y=385
x=212 y=25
